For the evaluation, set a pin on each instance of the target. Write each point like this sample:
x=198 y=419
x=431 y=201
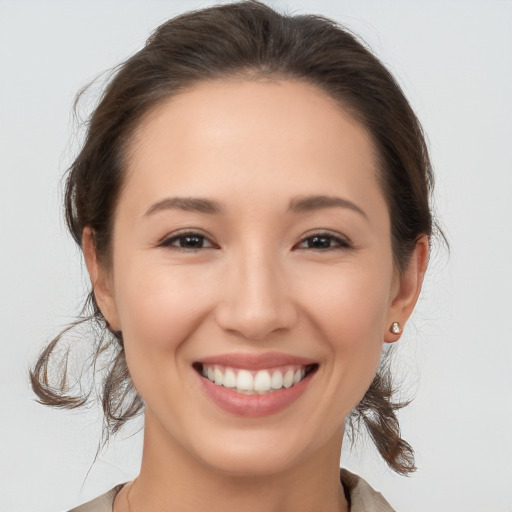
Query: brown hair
x=245 y=39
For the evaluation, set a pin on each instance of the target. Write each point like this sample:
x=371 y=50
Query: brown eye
x=187 y=241
x=324 y=241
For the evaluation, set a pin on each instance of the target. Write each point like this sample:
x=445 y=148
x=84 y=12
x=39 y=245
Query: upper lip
x=257 y=361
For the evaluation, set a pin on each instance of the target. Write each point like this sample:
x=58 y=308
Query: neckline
x=358 y=493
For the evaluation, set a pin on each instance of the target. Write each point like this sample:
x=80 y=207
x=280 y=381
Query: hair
x=242 y=40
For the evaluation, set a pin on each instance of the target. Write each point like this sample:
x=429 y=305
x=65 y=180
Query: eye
x=324 y=241
x=190 y=240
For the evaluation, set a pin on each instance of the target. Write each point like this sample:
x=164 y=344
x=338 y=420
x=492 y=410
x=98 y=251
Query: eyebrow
x=301 y=204
x=189 y=204
x=304 y=204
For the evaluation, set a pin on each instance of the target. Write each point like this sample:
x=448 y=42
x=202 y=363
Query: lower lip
x=254 y=405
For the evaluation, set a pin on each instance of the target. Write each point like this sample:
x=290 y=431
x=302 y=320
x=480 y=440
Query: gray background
x=454 y=62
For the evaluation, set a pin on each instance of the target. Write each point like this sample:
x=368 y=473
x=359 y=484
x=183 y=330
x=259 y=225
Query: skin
x=257 y=284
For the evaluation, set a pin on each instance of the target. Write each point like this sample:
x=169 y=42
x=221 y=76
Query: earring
x=395 y=328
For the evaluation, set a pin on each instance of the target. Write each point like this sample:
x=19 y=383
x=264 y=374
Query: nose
x=256 y=299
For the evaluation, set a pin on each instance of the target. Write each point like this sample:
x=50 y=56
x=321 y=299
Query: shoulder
x=362 y=497
x=102 y=503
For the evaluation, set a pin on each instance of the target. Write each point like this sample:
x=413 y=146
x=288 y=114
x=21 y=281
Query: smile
x=254 y=385
x=260 y=382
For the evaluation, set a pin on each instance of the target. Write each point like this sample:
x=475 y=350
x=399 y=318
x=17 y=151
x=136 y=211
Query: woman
x=252 y=202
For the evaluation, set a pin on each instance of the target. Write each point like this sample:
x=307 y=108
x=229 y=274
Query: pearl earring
x=395 y=328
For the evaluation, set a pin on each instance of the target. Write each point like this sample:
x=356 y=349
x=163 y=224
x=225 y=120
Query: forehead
x=276 y=108
x=256 y=136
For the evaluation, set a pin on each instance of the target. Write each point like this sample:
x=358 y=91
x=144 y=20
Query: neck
x=172 y=479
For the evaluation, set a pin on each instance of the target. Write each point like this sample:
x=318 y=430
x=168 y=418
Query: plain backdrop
x=453 y=60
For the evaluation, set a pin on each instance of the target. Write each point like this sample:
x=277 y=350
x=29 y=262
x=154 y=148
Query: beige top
x=361 y=497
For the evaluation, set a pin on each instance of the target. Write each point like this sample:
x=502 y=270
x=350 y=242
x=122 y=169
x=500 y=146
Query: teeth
x=259 y=382
x=297 y=377
x=277 y=380
x=262 y=381
x=229 y=378
x=246 y=391
x=288 y=379
x=218 y=376
x=244 y=381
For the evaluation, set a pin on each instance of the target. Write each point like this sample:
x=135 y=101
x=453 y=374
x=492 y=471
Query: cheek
x=353 y=303
x=158 y=308
x=350 y=310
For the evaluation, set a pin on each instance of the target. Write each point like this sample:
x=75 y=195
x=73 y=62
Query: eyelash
x=342 y=243
x=168 y=242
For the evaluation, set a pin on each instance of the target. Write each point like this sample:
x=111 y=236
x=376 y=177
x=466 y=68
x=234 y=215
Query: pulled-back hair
x=247 y=40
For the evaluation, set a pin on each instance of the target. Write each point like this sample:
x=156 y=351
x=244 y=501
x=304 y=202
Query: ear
x=407 y=290
x=100 y=280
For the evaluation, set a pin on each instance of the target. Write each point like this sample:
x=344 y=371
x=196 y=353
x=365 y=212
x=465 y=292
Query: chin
x=254 y=457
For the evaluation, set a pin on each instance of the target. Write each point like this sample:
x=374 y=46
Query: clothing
x=361 y=497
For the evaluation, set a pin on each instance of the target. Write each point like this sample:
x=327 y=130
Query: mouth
x=263 y=381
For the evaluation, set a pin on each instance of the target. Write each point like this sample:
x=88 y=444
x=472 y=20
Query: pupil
x=193 y=241
x=320 y=241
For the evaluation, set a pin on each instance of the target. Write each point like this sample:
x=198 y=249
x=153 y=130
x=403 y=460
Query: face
x=251 y=247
